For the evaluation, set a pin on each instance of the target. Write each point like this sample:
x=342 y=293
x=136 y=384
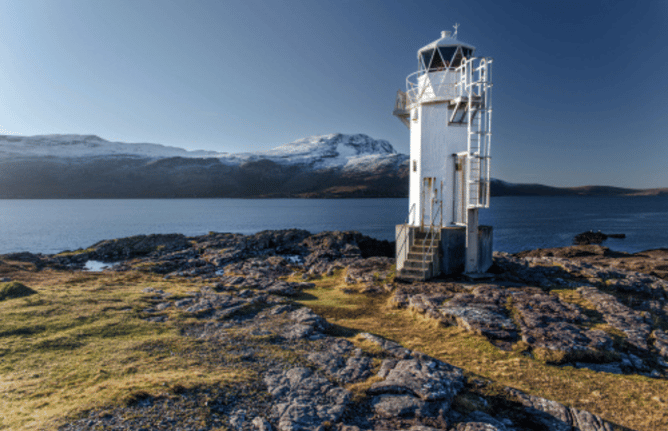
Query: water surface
x=50 y=226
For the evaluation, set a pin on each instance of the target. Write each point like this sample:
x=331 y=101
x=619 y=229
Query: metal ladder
x=474 y=108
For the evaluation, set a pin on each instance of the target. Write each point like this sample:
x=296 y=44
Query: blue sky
x=580 y=87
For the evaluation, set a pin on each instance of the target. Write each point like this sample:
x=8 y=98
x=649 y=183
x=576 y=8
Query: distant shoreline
x=499 y=189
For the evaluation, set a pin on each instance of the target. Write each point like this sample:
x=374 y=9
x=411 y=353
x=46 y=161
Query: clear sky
x=580 y=87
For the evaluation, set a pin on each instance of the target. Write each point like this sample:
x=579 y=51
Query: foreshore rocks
x=584 y=306
x=592 y=237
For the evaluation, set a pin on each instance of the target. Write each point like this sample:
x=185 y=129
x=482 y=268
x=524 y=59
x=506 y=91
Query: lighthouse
x=447 y=107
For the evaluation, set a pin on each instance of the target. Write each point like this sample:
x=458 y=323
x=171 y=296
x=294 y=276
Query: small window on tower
x=436 y=62
x=457 y=61
x=414 y=165
x=426 y=58
x=446 y=53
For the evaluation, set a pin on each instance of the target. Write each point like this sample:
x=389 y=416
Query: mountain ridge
x=326 y=166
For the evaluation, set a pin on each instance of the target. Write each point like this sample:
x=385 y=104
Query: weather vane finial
x=456 y=26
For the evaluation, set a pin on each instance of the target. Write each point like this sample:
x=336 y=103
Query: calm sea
x=50 y=226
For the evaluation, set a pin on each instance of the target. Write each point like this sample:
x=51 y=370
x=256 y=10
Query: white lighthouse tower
x=447 y=106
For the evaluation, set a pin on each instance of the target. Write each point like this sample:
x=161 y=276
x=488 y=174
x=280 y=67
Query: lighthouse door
x=431 y=204
x=459 y=194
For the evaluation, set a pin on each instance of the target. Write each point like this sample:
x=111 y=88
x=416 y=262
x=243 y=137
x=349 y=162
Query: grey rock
x=548 y=322
x=632 y=323
x=261 y=424
x=422 y=428
x=337 y=363
x=304 y=399
x=386 y=366
x=237 y=419
x=233 y=280
x=306 y=316
x=423 y=377
x=395 y=349
x=163 y=306
x=482 y=311
x=481 y=320
x=246 y=293
x=297 y=331
x=661 y=342
x=368 y=270
x=477 y=426
x=280 y=309
x=392 y=406
x=480 y=421
x=356 y=369
x=184 y=302
x=286 y=288
x=557 y=417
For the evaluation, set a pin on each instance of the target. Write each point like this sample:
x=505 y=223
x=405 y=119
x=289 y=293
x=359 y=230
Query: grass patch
x=84 y=345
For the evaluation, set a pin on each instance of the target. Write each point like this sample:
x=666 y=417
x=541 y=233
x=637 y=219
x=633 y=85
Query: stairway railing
x=403 y=233
x=431 y=235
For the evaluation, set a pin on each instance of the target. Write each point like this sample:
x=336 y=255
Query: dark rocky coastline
x=591 y=237
x=585 y=307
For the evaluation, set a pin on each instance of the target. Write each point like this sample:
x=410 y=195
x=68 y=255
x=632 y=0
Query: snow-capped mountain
x=327 y=151
x=86 y=166
x=356 y=152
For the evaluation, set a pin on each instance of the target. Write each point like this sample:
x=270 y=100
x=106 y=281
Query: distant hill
x=503 y=188
x=328 y=166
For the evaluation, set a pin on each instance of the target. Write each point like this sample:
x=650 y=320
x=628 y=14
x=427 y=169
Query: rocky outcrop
x=483 y=311
x=549 y=323
x=633 y=324
x=420 y=386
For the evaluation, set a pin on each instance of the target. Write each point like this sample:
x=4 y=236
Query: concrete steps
x=420 y=261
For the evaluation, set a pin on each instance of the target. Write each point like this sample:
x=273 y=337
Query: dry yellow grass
x=80 y=343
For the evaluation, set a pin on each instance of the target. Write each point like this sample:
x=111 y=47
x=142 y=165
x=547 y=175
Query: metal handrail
x=403 y=227
x=432 y=233
x=415 y=91
x=400 y=101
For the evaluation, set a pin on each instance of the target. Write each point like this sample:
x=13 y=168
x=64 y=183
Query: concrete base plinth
x=451 y=248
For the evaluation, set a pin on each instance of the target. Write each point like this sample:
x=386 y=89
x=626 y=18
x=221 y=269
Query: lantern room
x=446 y=52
